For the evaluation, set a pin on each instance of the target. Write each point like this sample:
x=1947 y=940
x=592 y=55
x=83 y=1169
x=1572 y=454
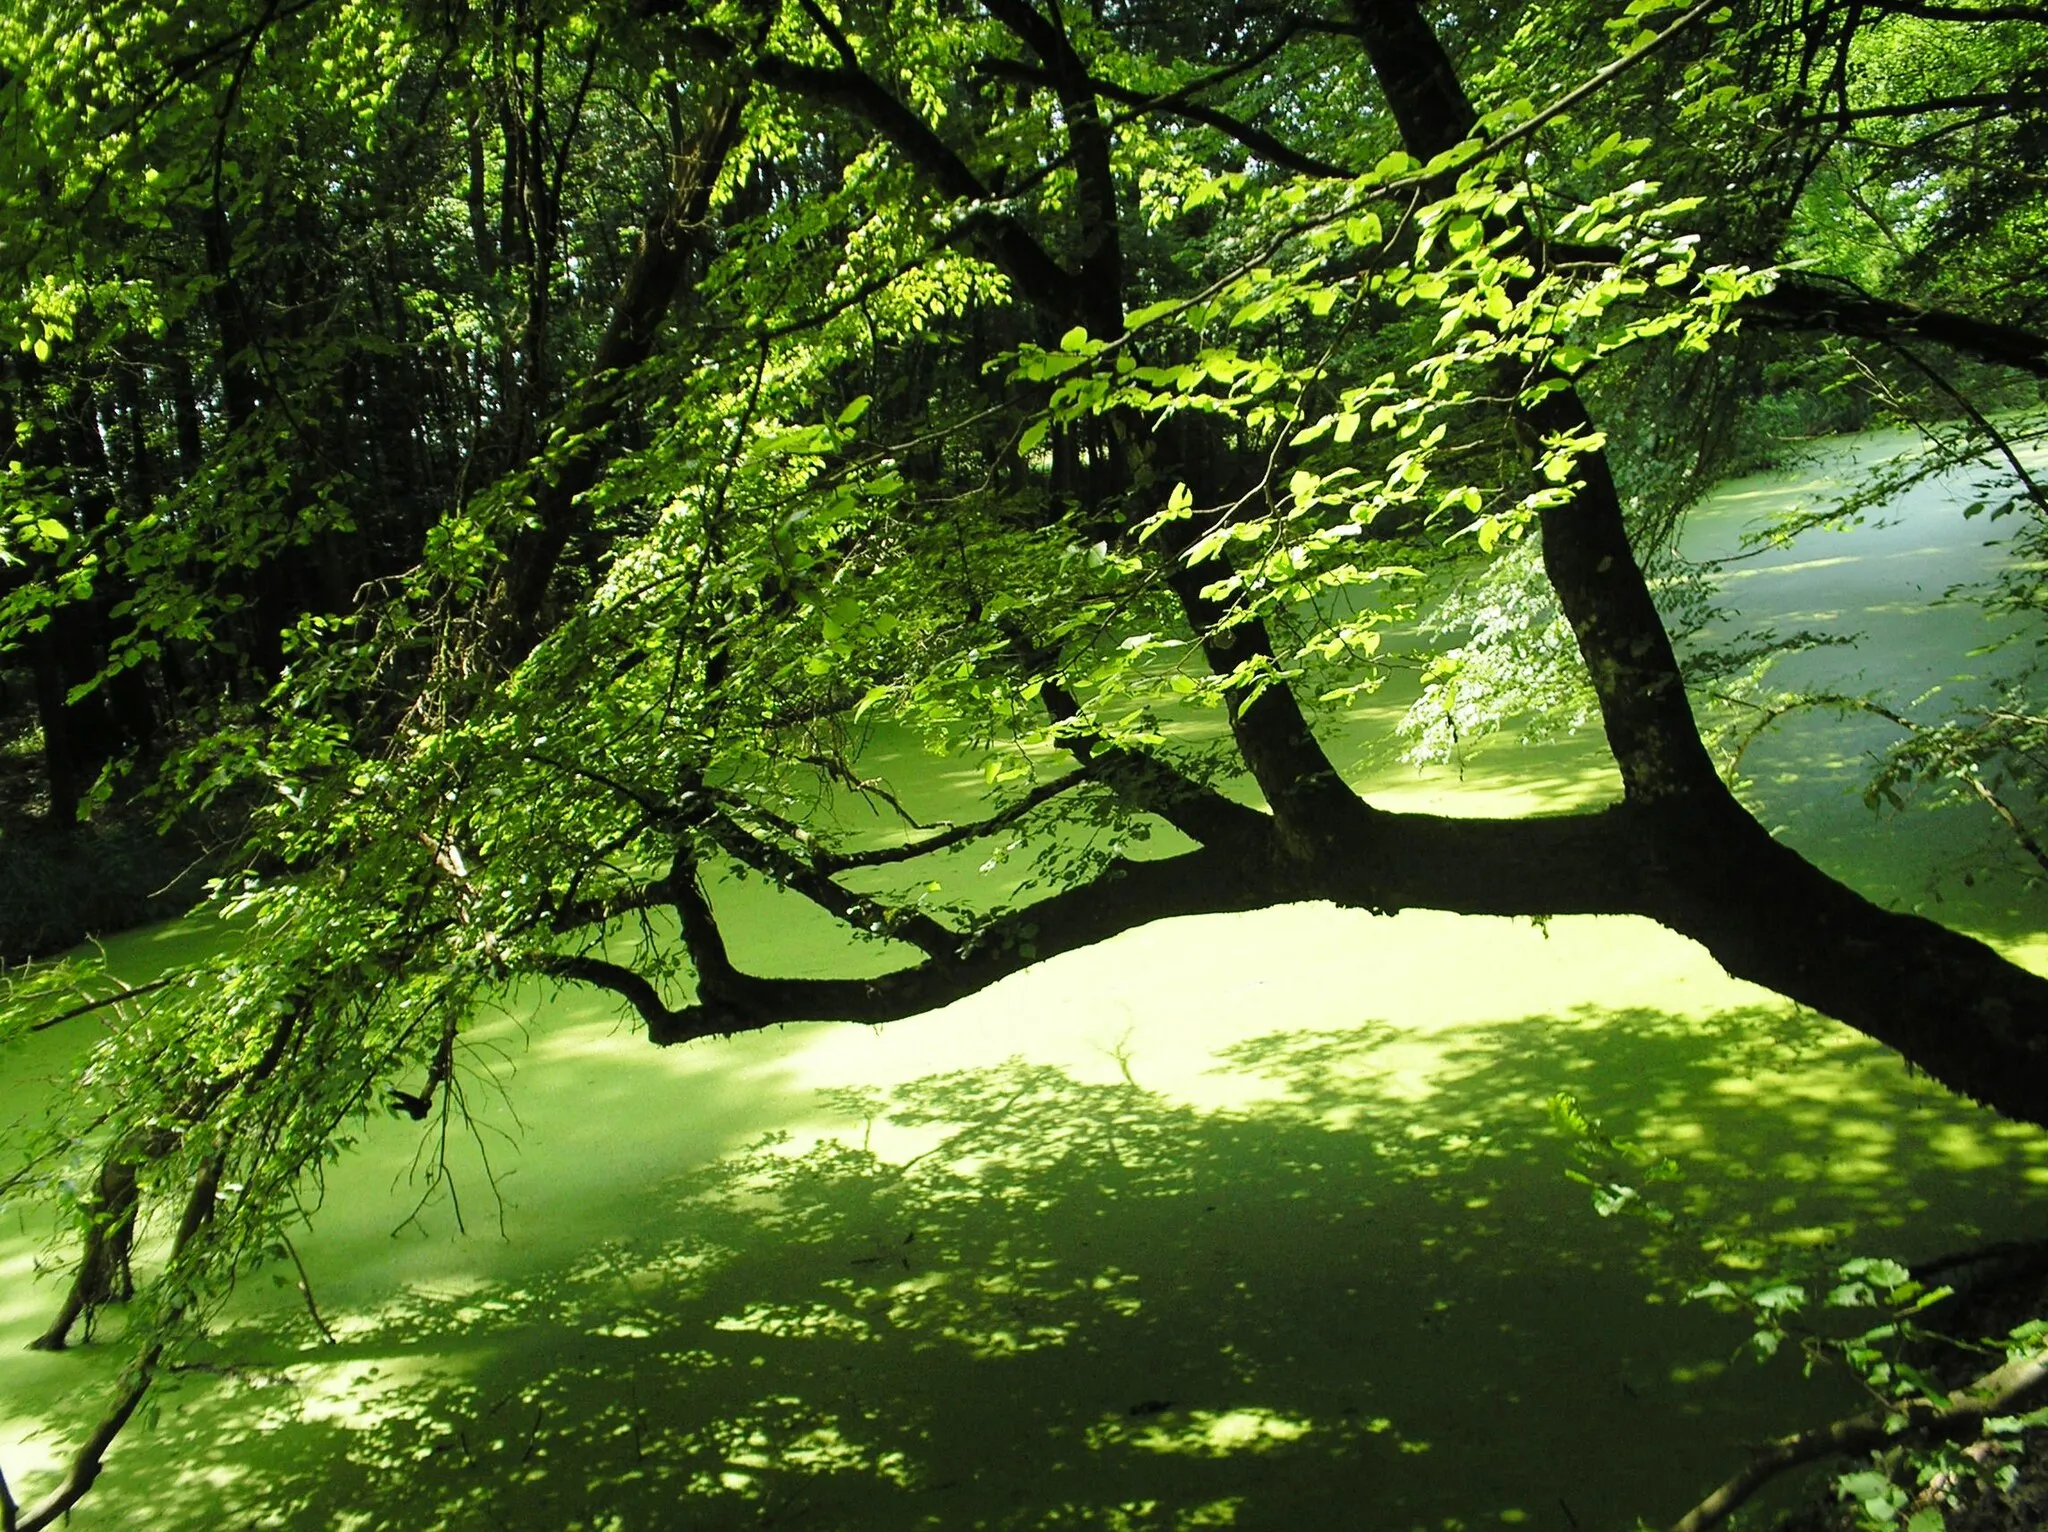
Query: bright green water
x=1248 y=1221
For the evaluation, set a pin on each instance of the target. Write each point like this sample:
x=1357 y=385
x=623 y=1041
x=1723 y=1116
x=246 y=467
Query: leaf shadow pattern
x=1088 y=1304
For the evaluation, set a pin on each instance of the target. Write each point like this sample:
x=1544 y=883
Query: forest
x=494 y=485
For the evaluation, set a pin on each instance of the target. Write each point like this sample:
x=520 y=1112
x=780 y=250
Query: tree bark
x=515 y=608
x=1680 y=849
x=1945 y=1001
x=103 y=1274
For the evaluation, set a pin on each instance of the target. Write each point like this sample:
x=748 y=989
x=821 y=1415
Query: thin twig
x=1976 y=416
x=306 y=1287
x=126 y=992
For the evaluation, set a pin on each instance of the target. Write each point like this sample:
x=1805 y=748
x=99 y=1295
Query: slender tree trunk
x=515 y=616
x=103 y=1273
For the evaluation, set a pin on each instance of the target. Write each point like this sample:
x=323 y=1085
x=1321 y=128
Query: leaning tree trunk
x=103 y=1274
x=1950 y=1004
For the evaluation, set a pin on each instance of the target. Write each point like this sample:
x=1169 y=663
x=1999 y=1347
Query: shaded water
x=1250 y=1221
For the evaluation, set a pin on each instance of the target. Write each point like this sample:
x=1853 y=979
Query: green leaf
x=1779 y=1298
x=1364 y=229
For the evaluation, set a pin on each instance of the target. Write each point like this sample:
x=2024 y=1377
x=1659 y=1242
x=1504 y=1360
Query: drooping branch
x=1956 y=762
x=1958 y=1418
x=944 y=840
x=119 y=997
x=1979 y=421
x=1177 y=104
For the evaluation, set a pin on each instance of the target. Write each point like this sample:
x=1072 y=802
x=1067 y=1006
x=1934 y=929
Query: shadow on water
x=1010 y=1297
x=1248 y=1261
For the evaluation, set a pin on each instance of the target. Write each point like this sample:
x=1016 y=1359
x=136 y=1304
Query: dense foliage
x=512 y=462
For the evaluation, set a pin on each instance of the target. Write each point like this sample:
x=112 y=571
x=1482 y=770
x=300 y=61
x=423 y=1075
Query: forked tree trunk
x=103 y=1274
x=1948 y=1003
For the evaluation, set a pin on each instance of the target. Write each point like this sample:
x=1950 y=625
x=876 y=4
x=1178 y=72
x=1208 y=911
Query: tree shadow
x=1367 y=1297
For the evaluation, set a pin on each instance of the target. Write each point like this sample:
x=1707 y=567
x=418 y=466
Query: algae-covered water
x=1252 y=1221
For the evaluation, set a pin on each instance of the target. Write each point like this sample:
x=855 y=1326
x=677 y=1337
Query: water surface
x=1249 y=1221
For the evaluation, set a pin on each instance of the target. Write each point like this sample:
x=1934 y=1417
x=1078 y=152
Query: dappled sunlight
x=1217 y=1256
x=1237 y=1221
x=1795 y=566
x=1207 y=1433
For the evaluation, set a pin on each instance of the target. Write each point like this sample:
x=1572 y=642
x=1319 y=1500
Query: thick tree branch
x=513 y=610
x=1101 y=295
x=1959 y=1418
x=1041 y=280
x=1126 y=895
x=1586 y=553
x=2008 y=101
x=1801 y=304
x=1948 y=1002
x=1705 y=867
x=856 y=910
x=1928 y=12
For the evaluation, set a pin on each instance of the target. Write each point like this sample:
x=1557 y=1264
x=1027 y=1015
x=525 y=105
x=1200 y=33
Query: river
x=1252 y=1221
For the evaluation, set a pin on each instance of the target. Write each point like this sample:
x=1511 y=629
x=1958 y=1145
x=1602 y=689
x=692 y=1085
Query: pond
x=1252 y=1221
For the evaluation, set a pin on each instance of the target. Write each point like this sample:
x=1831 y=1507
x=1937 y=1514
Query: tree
x=588 y=421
